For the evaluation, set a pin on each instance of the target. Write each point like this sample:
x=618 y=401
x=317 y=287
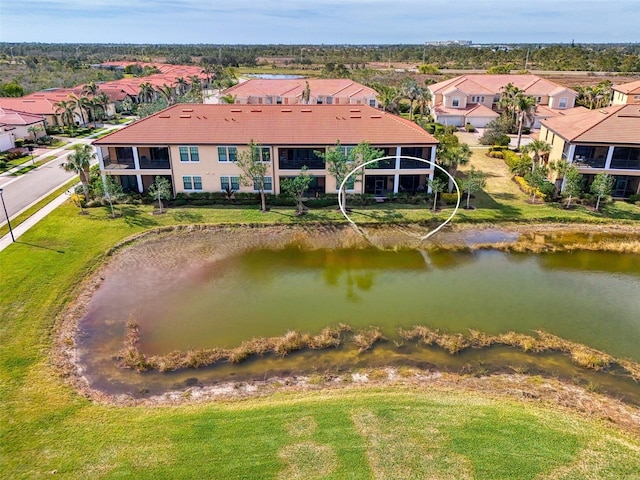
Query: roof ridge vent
x=306 y=110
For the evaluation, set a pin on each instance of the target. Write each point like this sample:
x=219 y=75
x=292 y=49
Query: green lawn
x=365 y=432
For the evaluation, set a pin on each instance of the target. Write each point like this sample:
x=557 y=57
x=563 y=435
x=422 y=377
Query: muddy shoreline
x=227 y=240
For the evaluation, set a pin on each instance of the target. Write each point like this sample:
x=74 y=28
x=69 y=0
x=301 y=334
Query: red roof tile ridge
x=408 y=123
x=606 y=116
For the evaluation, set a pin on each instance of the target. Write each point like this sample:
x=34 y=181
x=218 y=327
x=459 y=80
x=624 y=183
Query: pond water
x=191 y=297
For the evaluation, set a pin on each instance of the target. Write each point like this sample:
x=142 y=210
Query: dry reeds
x=365 y=339
x=331 y=337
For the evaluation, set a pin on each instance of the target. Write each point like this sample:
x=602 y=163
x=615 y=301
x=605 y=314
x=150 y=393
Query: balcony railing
x=117 y=164
x=626 y=164
x=581 y=161
x=156 y=164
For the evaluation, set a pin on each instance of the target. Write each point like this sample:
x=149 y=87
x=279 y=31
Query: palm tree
x=34 y=130
x=102 y=101
x=66 y=110
x=423 y=101
x=508 y=100
x=525 y=108
x=79 y=162
x=90 y=89
x=209 y=71
x=181 y=86
x=453 y=155
x=147 y=93
x=167 y=92
x=539 y=149
x=388 y=98
x=412 y=92
x=82 y=104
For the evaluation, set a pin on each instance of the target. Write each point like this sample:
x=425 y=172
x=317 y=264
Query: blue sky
x=318 y=21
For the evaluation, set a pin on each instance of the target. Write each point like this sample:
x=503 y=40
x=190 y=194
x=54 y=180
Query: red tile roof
x=35 y=104
x=619 y=124
x=493 y=84
x=628 y=88
x=333 y=87
x=198 y=124
x=12 y=117
x=475 y=110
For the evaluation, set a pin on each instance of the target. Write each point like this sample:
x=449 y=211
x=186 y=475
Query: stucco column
x=396 y=183
x=398 y=154
x=136 y=165
x=607 y=163
x=100 y=159
x=136 y=160
x=571 y=153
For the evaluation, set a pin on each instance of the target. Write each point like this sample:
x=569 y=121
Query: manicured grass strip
x=34 y=208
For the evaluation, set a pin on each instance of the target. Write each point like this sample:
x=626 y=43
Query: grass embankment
x=366 y=432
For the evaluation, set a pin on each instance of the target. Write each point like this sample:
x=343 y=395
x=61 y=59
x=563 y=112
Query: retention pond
x=217 y=289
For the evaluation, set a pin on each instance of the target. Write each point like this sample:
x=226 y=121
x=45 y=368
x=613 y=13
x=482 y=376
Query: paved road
x=21 y=192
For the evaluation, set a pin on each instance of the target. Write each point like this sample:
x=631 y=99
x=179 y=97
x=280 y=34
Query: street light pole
x=7 y=215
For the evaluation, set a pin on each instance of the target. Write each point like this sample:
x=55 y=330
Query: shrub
x=45 y=140
x=635 y=198
x=469 y=128
x=15 y=155
x=19 y=142
x=518 y=165
x=449 y=129
x=180 y=202
x=528 y=189
x=449 y=198
x=496 y=154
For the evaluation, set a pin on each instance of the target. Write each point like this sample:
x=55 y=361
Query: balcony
x=154 y=164
x=582 y=161
x=118 y=164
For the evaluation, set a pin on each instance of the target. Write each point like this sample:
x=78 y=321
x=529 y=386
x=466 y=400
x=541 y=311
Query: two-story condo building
x=626 y=93
x=322 y=91
x=604 y=140
x=474 y=99
x=196 y=146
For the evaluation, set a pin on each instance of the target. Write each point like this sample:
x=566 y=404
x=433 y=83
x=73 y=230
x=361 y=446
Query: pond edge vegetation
x=335 y=336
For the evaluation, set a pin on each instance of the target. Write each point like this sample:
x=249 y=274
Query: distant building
x=626 y=93
x=446 y=43
x=475 y=99
x=257 y=91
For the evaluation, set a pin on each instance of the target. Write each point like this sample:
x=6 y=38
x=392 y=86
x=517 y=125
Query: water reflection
x=187 y=297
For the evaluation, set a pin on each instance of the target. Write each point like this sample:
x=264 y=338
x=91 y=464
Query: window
x=350 y=185
x=319 y=100
x=268 y=184
x=372 y=102
x=563 y=102
x=232 y=183
x=269 y=100
x=227 y=154
x=478 y=99
x=636 y=97
x=347 y=150
x=192 y=182
x=189 y=154
x=264 y=154
x=538 y=99
x=455 y=102
x=278 y=100
x=329 y=100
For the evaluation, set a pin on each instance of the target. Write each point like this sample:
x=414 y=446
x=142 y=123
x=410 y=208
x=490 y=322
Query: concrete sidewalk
x=32 y=220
